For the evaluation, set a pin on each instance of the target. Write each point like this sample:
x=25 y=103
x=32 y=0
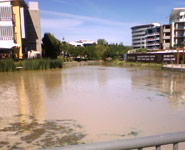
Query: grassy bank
x=136 y=64
x=141 y=64
x=8 y=65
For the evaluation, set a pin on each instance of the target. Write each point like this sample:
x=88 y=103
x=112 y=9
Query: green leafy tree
x=51 y=46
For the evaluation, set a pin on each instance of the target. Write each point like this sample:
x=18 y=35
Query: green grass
x=7 y=65
x=142 y=64
x=41 y=64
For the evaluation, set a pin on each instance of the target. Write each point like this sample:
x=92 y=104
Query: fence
x=138 y=143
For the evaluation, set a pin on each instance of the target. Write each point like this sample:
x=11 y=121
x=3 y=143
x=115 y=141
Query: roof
x=176 y=11
x=146 y=25
x=7 y=44
x=22 y=2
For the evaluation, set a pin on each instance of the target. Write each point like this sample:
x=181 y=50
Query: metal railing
x=137 y=143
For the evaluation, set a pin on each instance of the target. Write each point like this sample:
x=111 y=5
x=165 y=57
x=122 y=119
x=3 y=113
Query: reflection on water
x=108 y=102
x=171 y=85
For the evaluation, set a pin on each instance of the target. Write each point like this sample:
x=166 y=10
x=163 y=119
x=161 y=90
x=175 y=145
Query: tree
x=102 y=42
x=51 y=46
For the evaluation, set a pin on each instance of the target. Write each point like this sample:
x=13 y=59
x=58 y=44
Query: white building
x=177 y=20
x=82 y=43
x=139 y=35
x=6 y=26
x=153 y=38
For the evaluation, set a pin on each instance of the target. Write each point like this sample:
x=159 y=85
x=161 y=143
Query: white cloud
x=85 y=18
x=75 y=27
x=59 y=23
x=60 y=1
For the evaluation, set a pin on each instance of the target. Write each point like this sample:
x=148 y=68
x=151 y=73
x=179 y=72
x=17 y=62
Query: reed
x=42 y=64
x=7 y=65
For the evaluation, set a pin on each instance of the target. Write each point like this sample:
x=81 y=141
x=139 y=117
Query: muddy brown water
x=88 y=103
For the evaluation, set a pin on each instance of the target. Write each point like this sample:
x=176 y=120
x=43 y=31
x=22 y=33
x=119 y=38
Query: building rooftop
x=146 y=25
x=176 y=11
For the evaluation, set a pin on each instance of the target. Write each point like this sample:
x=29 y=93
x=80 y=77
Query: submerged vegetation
x=33 y=134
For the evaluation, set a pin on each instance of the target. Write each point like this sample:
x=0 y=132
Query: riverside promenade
x=174 y=67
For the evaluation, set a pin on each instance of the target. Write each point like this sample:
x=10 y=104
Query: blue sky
x=107 y=19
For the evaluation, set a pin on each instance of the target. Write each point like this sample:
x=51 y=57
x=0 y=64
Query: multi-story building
x=177 y=20
x=165 y=37
x=153 y=38
x=19 y=28
x=139 y=35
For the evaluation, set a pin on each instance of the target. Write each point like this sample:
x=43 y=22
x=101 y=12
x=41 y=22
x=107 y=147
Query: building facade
x=165 y=37
x=139 y=35
x=153 y=38
x=19 y=28
x=177 y=20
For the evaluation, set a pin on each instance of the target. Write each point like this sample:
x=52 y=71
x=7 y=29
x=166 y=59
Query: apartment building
x=165 y=37
x=139 y=34
x=153 y=38
x=19 y=28
x=177 y=21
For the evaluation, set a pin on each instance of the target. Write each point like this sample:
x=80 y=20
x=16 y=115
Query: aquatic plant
x=34 y=134
x=42 y=64
x=7 y=65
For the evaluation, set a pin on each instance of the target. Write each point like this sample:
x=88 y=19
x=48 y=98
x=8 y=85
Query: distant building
x=139 y=35
x=19 y=28
x=165 y=37
x=177 y=20
x=82 y=43
x=153 y=38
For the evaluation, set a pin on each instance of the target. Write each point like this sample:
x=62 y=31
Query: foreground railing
x=136 y=143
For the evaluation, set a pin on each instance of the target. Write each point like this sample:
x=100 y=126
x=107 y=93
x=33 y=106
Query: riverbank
x=136 y=64
x=45 y=64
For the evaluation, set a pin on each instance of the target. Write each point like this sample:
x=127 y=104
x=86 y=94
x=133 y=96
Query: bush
x=42 y=64
x=7 y=65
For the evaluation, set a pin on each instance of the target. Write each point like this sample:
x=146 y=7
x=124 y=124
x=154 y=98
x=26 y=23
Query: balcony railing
x=138 y=143
x=166 y=30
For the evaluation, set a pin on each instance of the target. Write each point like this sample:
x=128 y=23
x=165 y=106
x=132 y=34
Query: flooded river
x=88 y=103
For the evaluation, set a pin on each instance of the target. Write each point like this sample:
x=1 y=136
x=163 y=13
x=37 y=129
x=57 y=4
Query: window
x=5 y=13
x=6 y=33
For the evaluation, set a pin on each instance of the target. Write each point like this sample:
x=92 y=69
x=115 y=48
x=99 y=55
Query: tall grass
x=7 y=65
x=41 y=64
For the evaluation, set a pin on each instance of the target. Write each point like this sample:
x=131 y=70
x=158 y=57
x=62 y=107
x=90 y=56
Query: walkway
x=174 y=67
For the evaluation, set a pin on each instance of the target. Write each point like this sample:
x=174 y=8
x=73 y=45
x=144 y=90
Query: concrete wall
x=33 y=27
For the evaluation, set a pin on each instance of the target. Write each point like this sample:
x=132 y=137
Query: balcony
x=152 y=39
x=166 y=37
x=167 y=30
x=140 y=33
x=153 y=44
x=152 y=34
x=180 y=36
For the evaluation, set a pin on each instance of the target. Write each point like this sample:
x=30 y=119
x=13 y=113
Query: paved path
x=174 y=67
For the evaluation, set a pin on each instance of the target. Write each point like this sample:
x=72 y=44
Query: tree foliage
x=51 y=46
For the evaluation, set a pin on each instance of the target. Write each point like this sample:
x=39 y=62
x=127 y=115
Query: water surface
x=88 y=103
